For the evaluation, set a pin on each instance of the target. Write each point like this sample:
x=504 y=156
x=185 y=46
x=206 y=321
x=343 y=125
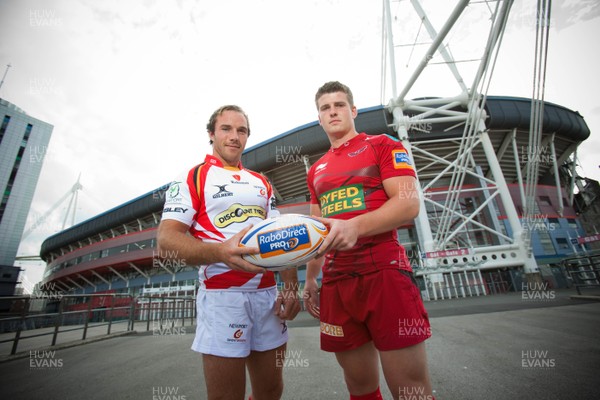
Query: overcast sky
x=130 y=84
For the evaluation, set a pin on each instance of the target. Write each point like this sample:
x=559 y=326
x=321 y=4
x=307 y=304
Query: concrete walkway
x=493 y=347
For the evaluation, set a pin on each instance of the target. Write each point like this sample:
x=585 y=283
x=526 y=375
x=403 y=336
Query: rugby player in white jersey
x=241 y=314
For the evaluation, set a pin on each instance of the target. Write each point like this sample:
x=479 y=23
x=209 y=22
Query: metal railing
x=83 y=312
x=584 y=270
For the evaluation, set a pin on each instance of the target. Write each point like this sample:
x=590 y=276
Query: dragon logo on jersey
x=238 y=213
x=357 y=152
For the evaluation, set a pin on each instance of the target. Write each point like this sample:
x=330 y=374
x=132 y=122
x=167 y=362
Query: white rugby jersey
x=217 y=202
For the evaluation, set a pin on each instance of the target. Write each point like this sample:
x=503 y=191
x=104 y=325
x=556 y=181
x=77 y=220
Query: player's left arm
x=401 y=208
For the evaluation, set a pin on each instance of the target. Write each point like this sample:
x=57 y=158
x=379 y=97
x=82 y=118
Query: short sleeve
x=394 y=159
x=311 y=189
x=178 y=201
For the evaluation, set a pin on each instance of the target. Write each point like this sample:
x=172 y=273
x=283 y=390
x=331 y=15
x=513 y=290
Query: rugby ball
x=286 y=241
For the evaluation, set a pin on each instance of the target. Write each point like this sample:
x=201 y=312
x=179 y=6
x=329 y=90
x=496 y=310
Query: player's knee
x=361 y=383
x=272 y=391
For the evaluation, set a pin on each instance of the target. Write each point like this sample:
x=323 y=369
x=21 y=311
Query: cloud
x=129 y=85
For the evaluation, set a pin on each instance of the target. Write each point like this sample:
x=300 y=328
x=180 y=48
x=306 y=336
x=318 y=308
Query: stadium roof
x=504 y=113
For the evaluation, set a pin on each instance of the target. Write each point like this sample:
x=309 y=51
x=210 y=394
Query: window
x=15 y=169
x=546 y=242
x=572 y=223
x=562 y=243
x=3 y=127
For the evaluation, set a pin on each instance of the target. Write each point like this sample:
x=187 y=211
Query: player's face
x=230 y=137
x=336 y=116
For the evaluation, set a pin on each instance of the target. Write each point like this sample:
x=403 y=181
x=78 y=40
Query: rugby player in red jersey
x=241 y=318
x=370 y=308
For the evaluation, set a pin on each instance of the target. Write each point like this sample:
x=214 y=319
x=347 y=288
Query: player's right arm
x=313 y=268
x=174 y=242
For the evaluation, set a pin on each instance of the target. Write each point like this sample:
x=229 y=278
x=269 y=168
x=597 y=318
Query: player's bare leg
x=225 y=377
x=405 y=371
x=361 y=369
x=266 y=373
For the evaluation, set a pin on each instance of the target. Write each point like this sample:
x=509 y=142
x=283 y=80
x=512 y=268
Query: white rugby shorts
x=233 y=323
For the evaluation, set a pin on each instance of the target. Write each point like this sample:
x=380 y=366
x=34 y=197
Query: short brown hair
x=332 y=87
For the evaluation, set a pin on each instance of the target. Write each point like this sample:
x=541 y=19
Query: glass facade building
x=23 y=144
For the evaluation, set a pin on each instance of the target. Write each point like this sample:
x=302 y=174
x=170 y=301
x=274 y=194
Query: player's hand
x=343 y=235
x=287 y=304
x=310 y=296
x=231 y=254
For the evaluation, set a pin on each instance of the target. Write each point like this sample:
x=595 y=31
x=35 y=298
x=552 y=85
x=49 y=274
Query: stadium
x=496 y=182
x=115 y=251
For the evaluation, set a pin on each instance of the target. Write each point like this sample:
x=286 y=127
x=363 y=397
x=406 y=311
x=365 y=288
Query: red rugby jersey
x=348 y=181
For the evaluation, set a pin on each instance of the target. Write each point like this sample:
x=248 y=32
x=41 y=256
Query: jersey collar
x=353 y=140
x=210 y=159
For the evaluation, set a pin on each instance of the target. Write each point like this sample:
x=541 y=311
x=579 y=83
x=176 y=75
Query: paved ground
x=497 y=347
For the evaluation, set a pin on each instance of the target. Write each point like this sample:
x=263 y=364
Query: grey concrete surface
x=494 y=347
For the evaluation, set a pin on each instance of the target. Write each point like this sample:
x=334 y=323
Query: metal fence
x=584 y=270
x=68 y=313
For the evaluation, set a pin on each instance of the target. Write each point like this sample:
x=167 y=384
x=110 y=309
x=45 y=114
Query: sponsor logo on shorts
x=401 y=159
x=341 y=200
x=238 y=333
x=283 y=240
x=332 y=330
x=238 y=213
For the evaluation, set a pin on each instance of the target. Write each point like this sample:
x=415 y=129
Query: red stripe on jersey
x=232 y=278
x=199 y=203
x=268 y=280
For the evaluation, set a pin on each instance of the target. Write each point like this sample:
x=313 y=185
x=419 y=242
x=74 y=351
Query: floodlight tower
x=72 y=195
x=448 y=161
